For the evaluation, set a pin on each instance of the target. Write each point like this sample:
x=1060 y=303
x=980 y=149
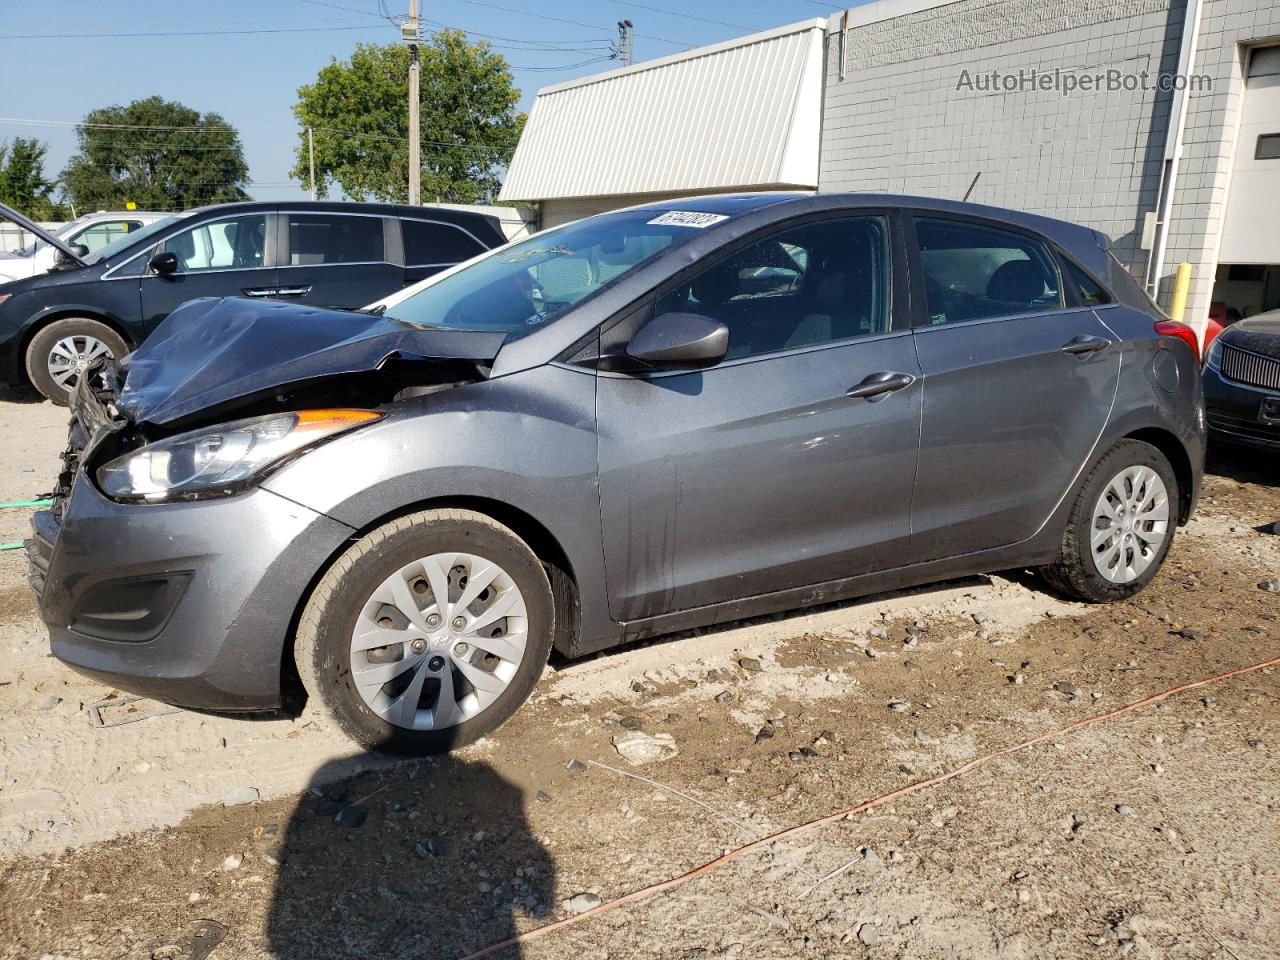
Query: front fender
x=527 y=441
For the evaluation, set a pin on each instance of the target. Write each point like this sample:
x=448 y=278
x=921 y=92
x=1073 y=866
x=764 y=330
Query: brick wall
x=897 y=121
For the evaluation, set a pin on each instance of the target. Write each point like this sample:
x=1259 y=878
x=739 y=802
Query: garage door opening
x=1243 y=290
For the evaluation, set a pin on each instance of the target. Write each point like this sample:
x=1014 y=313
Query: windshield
x=528 y=284
x=126 y=240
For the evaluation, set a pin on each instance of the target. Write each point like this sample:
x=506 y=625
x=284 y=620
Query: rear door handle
x=261 y=292
x=293 y=291
x=1083 y=345
x=878 y=385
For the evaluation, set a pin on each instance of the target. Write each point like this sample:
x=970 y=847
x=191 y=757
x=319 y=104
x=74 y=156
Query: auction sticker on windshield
x=684 y=218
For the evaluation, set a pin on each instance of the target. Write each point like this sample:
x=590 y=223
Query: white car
x=92 y=231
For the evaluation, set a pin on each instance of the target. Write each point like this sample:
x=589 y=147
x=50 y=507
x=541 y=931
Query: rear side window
x=972 y=272
x=323 y=239
x=430 y=244
x=1092 y=294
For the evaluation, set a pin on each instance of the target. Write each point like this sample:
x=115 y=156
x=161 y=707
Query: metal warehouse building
x=741 y=115
x=1064 y=108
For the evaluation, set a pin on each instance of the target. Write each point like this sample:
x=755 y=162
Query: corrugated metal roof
x=735 y=114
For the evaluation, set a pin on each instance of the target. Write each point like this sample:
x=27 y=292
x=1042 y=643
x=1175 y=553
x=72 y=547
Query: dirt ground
x=1154 y=834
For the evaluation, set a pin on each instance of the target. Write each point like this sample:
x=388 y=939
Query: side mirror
x=164 y=263
x=680 y=341
x=63 y=261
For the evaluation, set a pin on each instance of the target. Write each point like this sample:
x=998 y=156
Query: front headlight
x=217 y=461
x=1214 y=356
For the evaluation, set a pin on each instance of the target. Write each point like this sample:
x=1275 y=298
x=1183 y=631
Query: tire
x=351 y=598
x=80 y=338
x=1111 y=567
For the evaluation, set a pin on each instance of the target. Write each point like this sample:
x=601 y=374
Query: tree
x=22 y=182
x=359 y=114
x=158 y=154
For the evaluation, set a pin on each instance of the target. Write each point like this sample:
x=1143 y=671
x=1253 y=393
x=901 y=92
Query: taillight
x=1174 y=328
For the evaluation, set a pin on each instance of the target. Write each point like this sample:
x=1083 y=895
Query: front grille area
x=1251 y=368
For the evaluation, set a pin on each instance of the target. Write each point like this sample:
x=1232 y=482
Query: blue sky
x=252 y=79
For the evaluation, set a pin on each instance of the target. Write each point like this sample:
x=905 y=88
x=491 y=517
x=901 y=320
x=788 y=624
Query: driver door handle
x=876 y=386
x=260 y=292
x=293 y=291
x=1083 y=345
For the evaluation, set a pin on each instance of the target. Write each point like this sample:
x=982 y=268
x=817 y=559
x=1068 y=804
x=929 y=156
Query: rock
x=764 y=733
x=795 y=756
x=639 y=748
x=575 y=766
x=871 y=652
x=911 y=643
x=750 y=664
x=871 y=858
x=981 y=616
x=899 y=706
x=544 y=797
x=351 y=817
x=1189 y=634
x=1018 y=679
x=878 y=633
x=582 y=902
x=724 y=696
x=239 y=796
x=630 y=723
x=1270 y=586
x=433 y=847
x=923 y=737
x=867 y=935
x=1125 y=810
x=48 y=703
x=1257 y=744
x=1070 y=689
x=910 y=665
x=233 y=862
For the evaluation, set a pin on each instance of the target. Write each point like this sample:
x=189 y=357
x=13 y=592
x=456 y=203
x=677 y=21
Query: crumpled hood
x=212 y=352
x=1257 y=334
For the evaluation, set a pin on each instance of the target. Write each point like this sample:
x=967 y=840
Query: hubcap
x=1130 y=522
x=438 y=641
x=70 y=357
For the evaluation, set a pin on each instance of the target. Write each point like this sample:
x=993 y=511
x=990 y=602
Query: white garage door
x=1250 y=234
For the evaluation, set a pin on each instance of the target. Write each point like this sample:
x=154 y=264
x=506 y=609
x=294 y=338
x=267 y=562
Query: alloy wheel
x=71 y=356
x=438 y=641
x=1130 y=523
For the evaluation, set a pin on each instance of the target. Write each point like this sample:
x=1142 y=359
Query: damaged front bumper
x=191 y=603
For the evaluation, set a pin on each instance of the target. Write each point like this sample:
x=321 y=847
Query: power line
x=576 y=23
x=687 y=16
x=175 y=33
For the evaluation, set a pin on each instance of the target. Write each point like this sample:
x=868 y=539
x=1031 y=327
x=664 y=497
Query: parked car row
x=105 y=302
x=654 y=419
x=87 y=235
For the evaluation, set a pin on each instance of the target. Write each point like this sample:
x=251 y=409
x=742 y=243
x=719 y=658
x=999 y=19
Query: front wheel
x=62 y=351
x=1121 y=525
x=428 y=633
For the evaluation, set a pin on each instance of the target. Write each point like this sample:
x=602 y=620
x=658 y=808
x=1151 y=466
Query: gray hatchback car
x=664 y=417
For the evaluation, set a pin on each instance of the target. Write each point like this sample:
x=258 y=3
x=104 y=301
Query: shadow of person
x=429 y=858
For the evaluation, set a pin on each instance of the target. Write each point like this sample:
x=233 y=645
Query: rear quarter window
x=427 y=243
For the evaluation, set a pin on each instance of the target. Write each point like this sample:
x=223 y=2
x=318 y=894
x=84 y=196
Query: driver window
x=819 y=282
x=236 y=243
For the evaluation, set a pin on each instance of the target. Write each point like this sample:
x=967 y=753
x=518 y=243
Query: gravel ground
x=1154 y=834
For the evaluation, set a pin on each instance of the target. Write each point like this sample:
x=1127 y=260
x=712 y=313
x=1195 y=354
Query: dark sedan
x=343 y=255
x=1242 y=382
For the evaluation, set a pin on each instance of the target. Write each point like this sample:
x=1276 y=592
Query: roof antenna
x=972 y=183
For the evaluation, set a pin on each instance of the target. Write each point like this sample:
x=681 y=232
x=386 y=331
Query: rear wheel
x=59 y=354
x=1121 y=525
x=428 y=633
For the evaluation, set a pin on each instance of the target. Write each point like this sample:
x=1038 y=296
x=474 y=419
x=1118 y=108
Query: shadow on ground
x=1243 y=464
x=431 y=859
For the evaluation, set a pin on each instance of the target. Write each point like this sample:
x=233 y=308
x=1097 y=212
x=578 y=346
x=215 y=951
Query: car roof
x=1084 y=243
x=348 y=206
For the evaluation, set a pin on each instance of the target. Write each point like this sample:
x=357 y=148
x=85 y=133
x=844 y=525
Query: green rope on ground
x=27 y=503
x=16 y=545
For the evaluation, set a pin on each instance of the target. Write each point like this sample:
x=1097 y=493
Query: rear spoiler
x=8 y=213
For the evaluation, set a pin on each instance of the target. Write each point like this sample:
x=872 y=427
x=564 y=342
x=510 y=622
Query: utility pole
x=409 y=32
x=626 y=42
x=311 y=153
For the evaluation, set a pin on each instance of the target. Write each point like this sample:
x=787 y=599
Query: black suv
x=344 y=255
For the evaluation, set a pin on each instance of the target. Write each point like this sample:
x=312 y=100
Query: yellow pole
x=1181 y=286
